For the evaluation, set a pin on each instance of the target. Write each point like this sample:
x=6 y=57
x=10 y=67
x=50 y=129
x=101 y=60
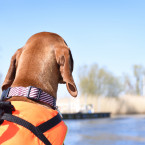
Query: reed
x=122 y=105
x=116 y=105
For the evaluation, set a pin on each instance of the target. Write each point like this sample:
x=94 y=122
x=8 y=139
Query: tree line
x=98 y=81
x=95 y=80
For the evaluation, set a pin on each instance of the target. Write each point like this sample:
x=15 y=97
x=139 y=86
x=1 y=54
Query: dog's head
x=63 y=58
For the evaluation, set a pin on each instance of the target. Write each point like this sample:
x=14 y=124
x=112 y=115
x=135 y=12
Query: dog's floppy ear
x=12 y=70
x=65 y=61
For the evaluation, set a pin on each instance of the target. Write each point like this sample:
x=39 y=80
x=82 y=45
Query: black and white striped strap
x=31 y=93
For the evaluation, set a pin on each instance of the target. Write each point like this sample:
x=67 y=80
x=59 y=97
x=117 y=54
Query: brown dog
x=43 y=62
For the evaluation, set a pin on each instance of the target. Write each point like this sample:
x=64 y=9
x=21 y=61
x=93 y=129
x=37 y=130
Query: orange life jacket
x=14 y=134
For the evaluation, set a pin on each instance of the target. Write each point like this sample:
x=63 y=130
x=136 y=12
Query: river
x=121 y=130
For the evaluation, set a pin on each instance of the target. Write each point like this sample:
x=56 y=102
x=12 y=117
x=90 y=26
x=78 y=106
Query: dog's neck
x=48 y=87
x=38 y=72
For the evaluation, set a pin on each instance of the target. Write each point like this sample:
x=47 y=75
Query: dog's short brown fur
x=44 y=62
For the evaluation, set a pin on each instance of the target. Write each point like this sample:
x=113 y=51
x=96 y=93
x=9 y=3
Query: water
x=113 y=131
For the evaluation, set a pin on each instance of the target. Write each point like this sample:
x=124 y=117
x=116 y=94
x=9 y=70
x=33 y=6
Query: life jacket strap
x=50 y=123
x=36 y=130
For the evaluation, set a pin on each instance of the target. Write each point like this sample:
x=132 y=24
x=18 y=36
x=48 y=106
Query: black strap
x=39 y=130
x=49 y=124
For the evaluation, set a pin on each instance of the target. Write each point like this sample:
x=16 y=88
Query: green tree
x=87 y=79
x=98 y=81
x=134 y=86
x=138 y=72
x=128 y=85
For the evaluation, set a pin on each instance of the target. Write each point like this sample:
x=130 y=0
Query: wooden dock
x=85 y=115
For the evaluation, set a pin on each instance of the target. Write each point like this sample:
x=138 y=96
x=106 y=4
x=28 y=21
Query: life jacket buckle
x=5 y=94
x=6 y=107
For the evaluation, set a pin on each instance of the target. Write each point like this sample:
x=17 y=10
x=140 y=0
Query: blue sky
x=110 y=33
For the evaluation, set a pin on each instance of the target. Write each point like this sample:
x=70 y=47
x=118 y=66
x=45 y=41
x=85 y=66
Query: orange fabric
x=11 y=133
